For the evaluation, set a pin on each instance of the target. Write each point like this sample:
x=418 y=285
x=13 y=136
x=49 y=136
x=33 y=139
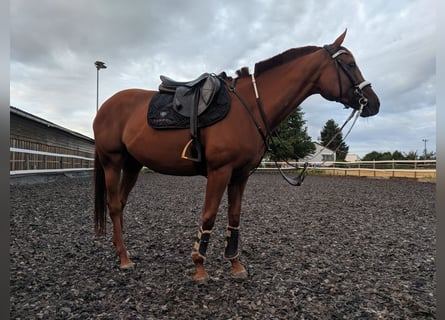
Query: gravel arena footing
x=334 y=248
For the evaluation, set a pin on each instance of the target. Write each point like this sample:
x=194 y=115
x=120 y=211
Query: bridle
x=358 y=91
x=358 y=86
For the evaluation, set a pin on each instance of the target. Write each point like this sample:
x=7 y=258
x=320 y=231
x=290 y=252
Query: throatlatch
x=201 y=243
x=231 y=243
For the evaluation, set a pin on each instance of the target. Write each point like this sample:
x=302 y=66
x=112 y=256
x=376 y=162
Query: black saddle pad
x=161 y=114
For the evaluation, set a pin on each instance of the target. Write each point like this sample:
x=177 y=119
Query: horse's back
x=116 y=113
x=123 y=104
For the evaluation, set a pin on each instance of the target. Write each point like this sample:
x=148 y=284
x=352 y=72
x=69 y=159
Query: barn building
x=39 y=146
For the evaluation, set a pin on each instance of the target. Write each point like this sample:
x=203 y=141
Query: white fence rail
x=57 y=162
x=32 y=161
x=391 y=168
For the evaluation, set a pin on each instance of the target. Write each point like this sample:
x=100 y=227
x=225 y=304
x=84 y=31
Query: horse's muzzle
x=372 y=106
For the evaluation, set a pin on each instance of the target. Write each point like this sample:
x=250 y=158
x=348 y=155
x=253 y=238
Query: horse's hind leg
x=128 y=180
x=115 y=207
x=129 y=177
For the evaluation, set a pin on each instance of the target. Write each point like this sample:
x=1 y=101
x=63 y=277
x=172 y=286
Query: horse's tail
x=100 y=196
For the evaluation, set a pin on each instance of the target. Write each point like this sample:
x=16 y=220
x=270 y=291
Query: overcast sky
x=54 y=45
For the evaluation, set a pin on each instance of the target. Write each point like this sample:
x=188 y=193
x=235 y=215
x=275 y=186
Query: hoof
x=203 y=279
x=126 y=266
x=240 y=274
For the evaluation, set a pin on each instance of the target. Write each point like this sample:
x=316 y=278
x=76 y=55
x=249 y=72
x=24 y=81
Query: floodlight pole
x=99 y=65
x=424 y=150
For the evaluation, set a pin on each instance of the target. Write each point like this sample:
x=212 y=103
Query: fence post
x=26 y=161
x=415 y=168
x=393 y=166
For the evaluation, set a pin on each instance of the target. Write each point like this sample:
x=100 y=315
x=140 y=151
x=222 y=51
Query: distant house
x=351 y=157
x=321 y=154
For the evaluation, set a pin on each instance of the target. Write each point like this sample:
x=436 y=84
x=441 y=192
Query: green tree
x=412 y=155
x=386 y=156
x=329 y=130
x=372 y=156
x=397 y=155
x=294 y=142
x=429 y=156
x=383 y=156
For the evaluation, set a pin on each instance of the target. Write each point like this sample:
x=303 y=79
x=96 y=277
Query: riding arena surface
x=334 y=248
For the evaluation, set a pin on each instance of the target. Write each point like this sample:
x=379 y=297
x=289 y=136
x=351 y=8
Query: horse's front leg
x=217 y=181
x=231 y=251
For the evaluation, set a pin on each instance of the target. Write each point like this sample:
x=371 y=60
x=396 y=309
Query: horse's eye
x=351 y=65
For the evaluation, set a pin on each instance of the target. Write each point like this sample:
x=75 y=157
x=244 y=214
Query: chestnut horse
x=233 y=147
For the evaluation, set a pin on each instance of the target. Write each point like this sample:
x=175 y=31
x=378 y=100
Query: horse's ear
x=337 y=43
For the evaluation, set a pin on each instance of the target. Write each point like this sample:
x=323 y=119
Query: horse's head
x=342 y=81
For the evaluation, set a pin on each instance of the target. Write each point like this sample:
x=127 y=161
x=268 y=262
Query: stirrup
x=190 y=146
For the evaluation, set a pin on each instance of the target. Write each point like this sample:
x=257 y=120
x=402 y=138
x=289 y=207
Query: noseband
x=358 y=86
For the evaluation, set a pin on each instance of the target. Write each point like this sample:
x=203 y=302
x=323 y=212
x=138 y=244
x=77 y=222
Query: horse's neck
x=282 y=89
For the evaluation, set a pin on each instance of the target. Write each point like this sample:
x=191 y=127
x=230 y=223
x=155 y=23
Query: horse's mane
x=283 y=58
x=243 y=72
x=277 y=60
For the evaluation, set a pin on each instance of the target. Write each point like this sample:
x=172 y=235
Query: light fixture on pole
x=99 y=65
